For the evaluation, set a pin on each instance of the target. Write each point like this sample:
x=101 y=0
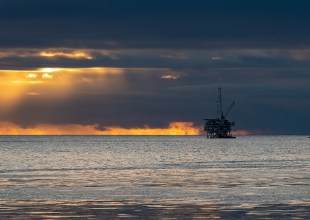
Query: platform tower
x=219 y=127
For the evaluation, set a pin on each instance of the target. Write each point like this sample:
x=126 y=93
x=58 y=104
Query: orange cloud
x=72 y=55
x=174 y=128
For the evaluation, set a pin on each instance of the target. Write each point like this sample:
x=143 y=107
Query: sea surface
x=154 y=177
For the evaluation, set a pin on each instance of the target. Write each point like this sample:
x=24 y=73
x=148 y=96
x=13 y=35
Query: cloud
x=123 y=63
x=51 y=83
x=30 y=58
x=171 y=76
x=72 y=55
x=133 y=97
x=174 y=128
x=178 y=24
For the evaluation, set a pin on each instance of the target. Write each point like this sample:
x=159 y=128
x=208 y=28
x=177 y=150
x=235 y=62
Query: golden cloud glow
x=54 y=82
x=47 y=76
x=174 y=128
x=44 y=75
x=169 y=77
x=32 y=75
x=71 y=55
x=33 y=93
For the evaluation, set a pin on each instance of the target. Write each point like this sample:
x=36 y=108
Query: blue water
x=154 y=171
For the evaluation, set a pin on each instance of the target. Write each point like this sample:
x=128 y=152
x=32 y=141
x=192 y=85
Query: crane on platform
x=229 y=109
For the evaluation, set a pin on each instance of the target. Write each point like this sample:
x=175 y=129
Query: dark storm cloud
x=147 y=99
x=154 y=24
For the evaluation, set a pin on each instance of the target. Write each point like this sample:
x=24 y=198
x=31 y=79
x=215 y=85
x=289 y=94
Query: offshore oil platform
x=219 y=127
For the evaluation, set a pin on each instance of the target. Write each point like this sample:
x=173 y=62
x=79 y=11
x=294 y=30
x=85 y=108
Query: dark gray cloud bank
x=257 y=51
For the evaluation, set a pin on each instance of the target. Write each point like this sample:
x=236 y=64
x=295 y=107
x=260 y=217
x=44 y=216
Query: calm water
x=154 y=177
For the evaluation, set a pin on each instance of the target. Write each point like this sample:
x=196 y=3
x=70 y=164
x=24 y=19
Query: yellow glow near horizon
x=174 y=128
x=47 y=76
x=72 y=55
x=32 y=75
x=50 y=70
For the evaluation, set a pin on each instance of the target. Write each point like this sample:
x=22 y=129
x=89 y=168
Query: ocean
x=154 y=177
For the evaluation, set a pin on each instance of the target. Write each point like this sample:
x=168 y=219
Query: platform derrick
x=219 y=127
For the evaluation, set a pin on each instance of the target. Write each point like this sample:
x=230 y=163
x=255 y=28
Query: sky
x=153 y=67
